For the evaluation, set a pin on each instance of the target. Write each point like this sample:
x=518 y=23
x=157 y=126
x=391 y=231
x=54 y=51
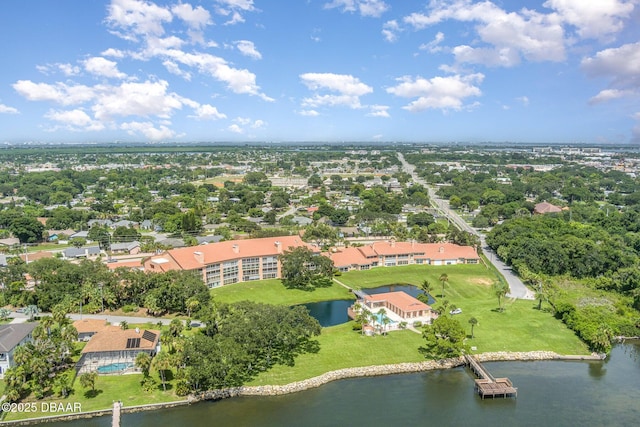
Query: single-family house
x=10 y=242
x=12 y=336
x=113 y=347
x=125 y=223
x=86 y=252
x=89 y=327
x=545 y=208
x=130 y=248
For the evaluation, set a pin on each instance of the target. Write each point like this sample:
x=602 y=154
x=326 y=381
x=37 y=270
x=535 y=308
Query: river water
x=550 y=393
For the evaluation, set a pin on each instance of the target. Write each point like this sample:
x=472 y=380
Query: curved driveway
x=517 y=289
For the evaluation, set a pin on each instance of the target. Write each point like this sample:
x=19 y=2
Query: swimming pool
x=380 y=319
x=114 y=367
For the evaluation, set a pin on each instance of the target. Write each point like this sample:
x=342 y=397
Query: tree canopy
x=302 y=269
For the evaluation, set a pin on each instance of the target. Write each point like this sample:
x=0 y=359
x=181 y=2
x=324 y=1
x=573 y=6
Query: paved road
x=517 y=289
x=114 y=320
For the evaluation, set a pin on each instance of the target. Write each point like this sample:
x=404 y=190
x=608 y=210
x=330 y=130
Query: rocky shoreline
x=298 y=386
x=368 y=371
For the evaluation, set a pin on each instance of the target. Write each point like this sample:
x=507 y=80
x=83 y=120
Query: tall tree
x=473 y=322
x=444 y=338
x=444 y=278
x=302 y=269
x=500 y=289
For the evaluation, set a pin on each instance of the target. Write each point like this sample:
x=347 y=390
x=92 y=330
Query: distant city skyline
x=532 y=71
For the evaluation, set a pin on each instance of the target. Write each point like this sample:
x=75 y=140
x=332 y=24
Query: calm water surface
x=549 y=394
x=334 y=312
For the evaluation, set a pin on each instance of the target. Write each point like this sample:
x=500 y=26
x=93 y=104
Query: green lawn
x=341 y=347
x=108 y=388
x=519 y=327
x=273 y=292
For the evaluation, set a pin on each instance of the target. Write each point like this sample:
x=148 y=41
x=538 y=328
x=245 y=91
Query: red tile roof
x=401 y=300
x=196 y=257
x=90 y=325
x=434 y=251
x=114 y=338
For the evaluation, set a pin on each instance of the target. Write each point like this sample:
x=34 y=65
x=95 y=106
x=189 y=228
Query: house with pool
x=114 y=350
x=398 y=307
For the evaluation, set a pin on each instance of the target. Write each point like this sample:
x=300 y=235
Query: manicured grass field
x=108 y=388
x=519 y=327
x=341 y=347
x=273 y=292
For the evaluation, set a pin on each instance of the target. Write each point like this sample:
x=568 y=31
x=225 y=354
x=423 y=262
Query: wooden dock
x=488 y=386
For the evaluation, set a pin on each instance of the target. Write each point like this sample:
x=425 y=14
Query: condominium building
x=229 y=262
x=224 y=263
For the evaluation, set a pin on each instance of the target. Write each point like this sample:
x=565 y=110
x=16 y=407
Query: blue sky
x=544 y=71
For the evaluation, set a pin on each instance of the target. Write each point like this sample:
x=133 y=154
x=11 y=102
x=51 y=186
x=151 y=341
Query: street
x=517 y=289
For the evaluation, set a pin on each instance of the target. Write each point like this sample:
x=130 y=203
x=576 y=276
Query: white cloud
x=149 y=130
x=235 y=129
x=390 y=31
x=174 y=68
x=442 y=93
x=114 y=53
x=237 y=80
x=607 y=95
x=372 y=8
x=247 y=48
x=342 y=83
x=621 y=65
x=136 y=99
x=434 y=45
x=102 y=67
x=349 y=90
x=593 y=18
x=379 y=111
x=208 y=112
x=309 y=113
x=196 y=18
x=533 y=35
x=75 y=120
x=524 y=100
x=60 y=93
x=138 y=16
x=492 y=57
x=234 y=8
x=5 y=109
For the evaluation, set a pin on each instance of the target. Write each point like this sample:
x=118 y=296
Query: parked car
x=456 y=311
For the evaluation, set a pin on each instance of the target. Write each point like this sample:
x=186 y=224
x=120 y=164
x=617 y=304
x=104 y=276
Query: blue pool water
x=380 y=319
x=114 y=367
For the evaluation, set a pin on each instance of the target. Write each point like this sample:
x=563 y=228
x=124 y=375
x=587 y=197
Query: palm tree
x=500 y=289
x=47 y=322
x=473 y=322
x=143 y=361
x=379 y=316
x=444 y=278
x=31 y=311
x=124 y=325
x=162 y=362
x=426 y=288
x=88 y=380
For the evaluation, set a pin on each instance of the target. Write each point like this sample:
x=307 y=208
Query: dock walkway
x=486 y=384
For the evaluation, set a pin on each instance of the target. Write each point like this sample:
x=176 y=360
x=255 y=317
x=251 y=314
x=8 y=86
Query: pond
x=330 y=313
x=334 y=312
